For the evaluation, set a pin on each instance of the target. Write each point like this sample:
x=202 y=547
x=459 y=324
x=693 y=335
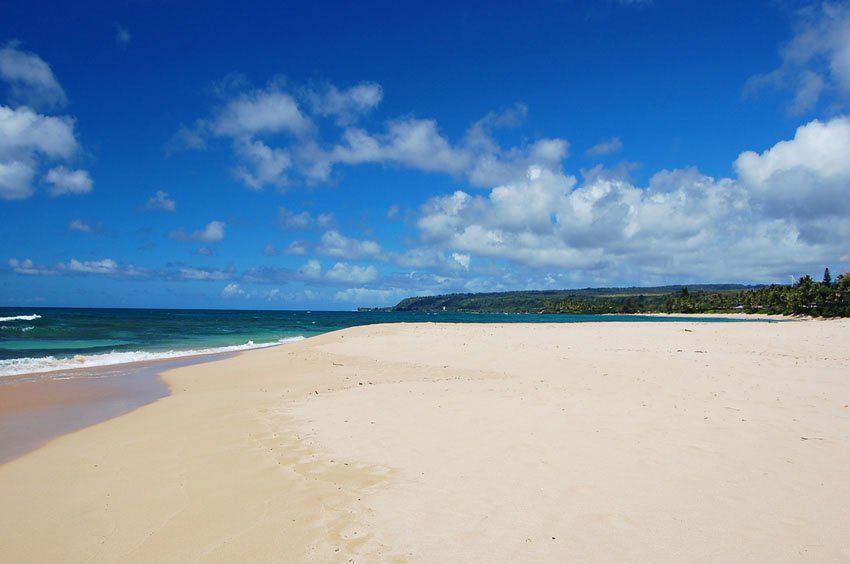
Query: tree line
x=827 y=298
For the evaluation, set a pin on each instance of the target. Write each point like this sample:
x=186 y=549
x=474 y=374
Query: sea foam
x=32 y=317
x=15 y=366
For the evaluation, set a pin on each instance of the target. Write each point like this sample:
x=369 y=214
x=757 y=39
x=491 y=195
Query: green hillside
x=806 y=297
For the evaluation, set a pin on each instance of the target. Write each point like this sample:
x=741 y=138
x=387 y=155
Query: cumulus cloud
x=275 y=138
x=213 y=232
x=462 y=259
x=418 y=144
x=234 y=290
x=817 y=59
x=345 y=104
x=27 y=266
x=263 y=166
x=335 y=244
x=161 y=201
x=807 y=176
x=352 y=274
x=28 y=138
x=296 y=248
x=788 y=201
x=30 y=79
x=231 y=290
x=15 y=180
x=609 y=147
x=260 y=112
x=25 y=138
x=25 y=132
x=294 y=221
x=65 y=181
x=312 y=270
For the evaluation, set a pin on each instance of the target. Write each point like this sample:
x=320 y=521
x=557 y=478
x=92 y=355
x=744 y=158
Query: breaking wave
x=15 y=366
x=32 y=317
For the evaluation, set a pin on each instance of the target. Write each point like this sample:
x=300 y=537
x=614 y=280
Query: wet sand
x=35 y=408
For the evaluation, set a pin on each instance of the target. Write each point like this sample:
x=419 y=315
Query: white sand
x=651 y=442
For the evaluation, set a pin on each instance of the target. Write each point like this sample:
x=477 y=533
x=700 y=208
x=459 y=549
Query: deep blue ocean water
x=46 y=339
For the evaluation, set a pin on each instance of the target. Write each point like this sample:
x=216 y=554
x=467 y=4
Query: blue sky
x=337 y=154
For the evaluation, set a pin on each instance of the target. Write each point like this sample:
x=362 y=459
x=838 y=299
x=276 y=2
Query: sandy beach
x=587 y=442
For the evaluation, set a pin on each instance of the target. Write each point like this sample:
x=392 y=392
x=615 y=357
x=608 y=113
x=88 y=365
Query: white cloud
x=294 y=221
x=609 y=147
x=418 y=144
x=260 y=112
x=16 y=180
x=66 y=181
x=345 y=104
x=213 y=232
x=122 y=35
x=27 y=137
x=352 y=274
x=24 y=132
x=161 y=201
x=408 y=142
x=105 y=266
x=806 y=176
x=80 y=225
x=30 y=79
x=296 y=248
x=817 y=59
x=335 y=244
x=188 y=273
x=232 y=290
x=312 y=270
x=267 y=165
x=462 y=259
x=789 y=201
x=27 y=266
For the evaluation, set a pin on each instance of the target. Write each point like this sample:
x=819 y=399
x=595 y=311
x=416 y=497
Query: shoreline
x=426 y=442
x=742 y=316
x=39 y=407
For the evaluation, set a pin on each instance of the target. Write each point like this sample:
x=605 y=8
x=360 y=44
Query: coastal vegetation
x=827 y=298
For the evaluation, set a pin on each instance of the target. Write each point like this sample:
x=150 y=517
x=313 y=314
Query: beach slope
x=591 y=442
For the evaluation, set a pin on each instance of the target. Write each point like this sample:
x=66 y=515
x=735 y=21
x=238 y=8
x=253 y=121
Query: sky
x=334 y=155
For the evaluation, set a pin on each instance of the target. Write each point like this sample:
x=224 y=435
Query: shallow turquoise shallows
x=43 y=339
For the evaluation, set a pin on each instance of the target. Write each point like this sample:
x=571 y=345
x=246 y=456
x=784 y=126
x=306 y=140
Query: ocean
x=38 y=340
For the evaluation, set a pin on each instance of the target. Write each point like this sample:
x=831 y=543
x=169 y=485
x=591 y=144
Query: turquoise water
x=45 y=339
